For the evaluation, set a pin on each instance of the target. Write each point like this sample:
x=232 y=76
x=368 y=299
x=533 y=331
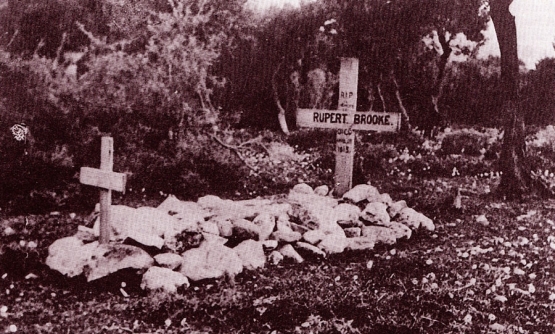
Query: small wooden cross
x=106 y=180
x=345 y=120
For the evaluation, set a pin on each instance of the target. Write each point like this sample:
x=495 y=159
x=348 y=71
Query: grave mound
x=181 y=241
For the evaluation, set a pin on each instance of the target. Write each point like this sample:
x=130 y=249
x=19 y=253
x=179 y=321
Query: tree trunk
x=437 y=89
x=293 y=98
x=281 y=111
x=380 y=94
x=434 y=118
x=405 y=121
x=516 y=179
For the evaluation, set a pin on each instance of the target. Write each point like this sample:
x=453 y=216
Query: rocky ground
x=483 y=266
x=213 y=238
x=488 y=268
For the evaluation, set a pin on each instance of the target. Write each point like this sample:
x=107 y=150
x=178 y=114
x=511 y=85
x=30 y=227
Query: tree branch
x=13 y=38
x=380 y=94
x=405 y=121
x=275 y=93
x=235 y=149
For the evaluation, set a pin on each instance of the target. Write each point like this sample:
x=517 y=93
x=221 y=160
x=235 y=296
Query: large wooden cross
x=345 y=120
x=106 y=180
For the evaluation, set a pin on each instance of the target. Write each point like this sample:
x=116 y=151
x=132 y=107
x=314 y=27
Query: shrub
x=469 y=141
x=154 y=98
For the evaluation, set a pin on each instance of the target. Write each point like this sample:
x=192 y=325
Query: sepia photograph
x=277 y=166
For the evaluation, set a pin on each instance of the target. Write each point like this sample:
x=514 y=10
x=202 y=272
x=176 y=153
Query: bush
x=470 y=142
x=154 y=98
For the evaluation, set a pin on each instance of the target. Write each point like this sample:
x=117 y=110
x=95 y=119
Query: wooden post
x=346 y=120
x=107 y=181
x=345 y=139
x=106 y=164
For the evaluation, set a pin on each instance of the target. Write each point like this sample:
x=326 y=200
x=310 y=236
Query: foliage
x=149 y=96
x=282 y=51
x=166 y=76
x=472 y=93
x=469 y=141
x=544 y=138
x=538 y=96
x=167 y=84
x=37 y=26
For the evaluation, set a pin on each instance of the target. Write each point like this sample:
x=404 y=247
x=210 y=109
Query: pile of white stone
x=305 y=223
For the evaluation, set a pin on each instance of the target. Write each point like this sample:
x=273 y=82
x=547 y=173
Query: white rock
x=141 y=223
x=9 y=231
x=400 y=230
x=31 y=276
x=283 y=226
x=225 y=208
x=385 y=198
x=209 y=201
x=109 y=258
x=275 y=257
x=361 y=192
x=247 y=209
x=167 y=280
x=322 y=190
x=270 y=244
x=283 y=223
x=145 y=238
x=289 y=252
x=376 y=213
x=69 y=255
x=82 y=228
x=332 y=244
x=188 y=213
x=286 y=236
x=209 y=237
x=352 y=232
x=314 y=236
x=497 y=327
x=395 y=208
x=415 y=219
x=303 y=188
x=347 y=214
x=210 y=260
x=209 y=227
x=317 y=216
x=119 y=220
x=155 y=220
x=251 y=254
x=410 y=217
x=225 y=227
x=245 y=229
x=313 y=250
x=276 y=209
x=379 y=234
x=427 y=223
x=299 y=228
x=481 y=219
x=173 y=204
x=85 y=234
x=266 y=223
x=360 y=243
x=311 y=199
x=168 y=260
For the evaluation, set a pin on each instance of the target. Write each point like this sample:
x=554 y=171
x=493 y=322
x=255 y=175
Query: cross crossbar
x=102 y=179
x=349 y=120
x=107 y=180
x=345 y=120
